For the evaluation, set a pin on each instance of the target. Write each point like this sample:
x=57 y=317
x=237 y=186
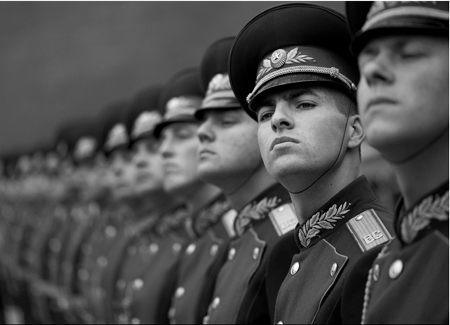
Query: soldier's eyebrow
x=294 y=93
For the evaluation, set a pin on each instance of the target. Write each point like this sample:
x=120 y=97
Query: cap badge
x=279 y=58
x=146 y=122
x=117 y=136
x=218 y=82
x=85 y=147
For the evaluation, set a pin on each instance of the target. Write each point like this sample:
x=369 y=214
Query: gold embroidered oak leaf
x=319 y=221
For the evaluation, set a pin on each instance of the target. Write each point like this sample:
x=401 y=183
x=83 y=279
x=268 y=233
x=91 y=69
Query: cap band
x=398 y=12
x=333 y=72
x=181 y=106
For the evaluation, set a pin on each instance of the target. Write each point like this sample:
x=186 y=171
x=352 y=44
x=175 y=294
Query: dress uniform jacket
x=408 y=282
x=240 y=294
x=330 y=243
x=149 y=296
x=134 y=260
x=201 y=262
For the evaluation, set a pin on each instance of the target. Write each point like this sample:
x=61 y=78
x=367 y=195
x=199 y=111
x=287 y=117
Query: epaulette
x=368 y=230
x=283 y=218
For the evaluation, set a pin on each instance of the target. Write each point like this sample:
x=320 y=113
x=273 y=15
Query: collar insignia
x=312 y=227
x=420 y=217
x=255 y=211
x=210 y=216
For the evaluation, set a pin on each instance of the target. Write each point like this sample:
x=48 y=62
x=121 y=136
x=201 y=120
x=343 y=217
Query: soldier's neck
x=203 y=194
x=421 y=175
x=309 y=202
x=255 y=185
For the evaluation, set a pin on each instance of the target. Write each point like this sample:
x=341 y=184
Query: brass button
x=294 y=268
x=111 y=231
x=176 y=248
x=138 y=284
x=179 y=292
x=191 y=248
x=334 y=268
x=172 y=312
x=102 y=261
x=280 y=322
x=231 y=254
x=395 y=269
x=255 y=253
x=358 y=218
x=154 y=248
x=213 y=250
x=376 y=272
x=215 y=303
x=121 y=284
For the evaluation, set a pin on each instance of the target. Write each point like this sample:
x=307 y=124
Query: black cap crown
x=144 y=114
x=181 y=96
x=291 y=43
x=370 y=19
x=214 y=77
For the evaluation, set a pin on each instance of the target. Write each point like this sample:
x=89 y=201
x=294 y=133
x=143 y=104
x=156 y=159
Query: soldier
x=402 y=51
x=229 y=157
x=178 y=148
x=141 y=119
x=291 y=70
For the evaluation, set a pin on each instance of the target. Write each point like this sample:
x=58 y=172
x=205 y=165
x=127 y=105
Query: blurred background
x=60 y=60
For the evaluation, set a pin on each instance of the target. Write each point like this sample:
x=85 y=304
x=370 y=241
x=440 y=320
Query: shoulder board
x=283 y=218
x=368 y=230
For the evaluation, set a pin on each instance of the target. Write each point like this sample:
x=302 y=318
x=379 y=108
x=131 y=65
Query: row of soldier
x=235 y=194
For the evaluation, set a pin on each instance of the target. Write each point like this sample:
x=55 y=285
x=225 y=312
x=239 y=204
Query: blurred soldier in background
x=154 y=211
x=213 y=227
x=291 y=70
x=402 y=50
x=229 y=157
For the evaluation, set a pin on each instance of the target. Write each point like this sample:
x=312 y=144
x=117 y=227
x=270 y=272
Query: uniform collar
x=210 y=214
x=258 y=208
x=429 y=213
x=334 y=213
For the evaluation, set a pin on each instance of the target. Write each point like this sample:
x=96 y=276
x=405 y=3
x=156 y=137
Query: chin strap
x=332 y=165
x=421 y=150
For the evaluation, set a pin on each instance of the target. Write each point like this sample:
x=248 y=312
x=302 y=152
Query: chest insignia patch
x=283 y=218
x=420 y=217
x=321 y=221
x=368 y=230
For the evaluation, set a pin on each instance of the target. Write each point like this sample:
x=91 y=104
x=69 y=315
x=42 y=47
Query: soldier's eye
x=305 y=105
x=263 y=116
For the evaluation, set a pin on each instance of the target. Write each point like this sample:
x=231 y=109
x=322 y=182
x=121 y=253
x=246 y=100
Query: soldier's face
x=123 y=173
x=228 y=150
x=149 y=172
x=178 y=149
x=300 y=133
x=403 y=92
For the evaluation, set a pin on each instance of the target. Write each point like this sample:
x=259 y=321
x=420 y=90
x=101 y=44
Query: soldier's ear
x=356 y=132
